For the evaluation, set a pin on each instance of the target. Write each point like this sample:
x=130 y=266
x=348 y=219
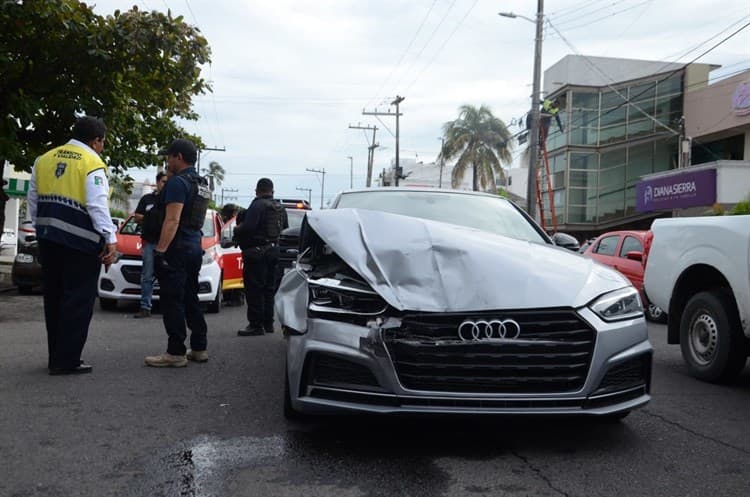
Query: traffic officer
x=178 y=256
x=68 y=201
x=258 y=237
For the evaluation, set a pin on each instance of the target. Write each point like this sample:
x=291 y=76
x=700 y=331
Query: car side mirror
x=226 y=243
x=634 y=255
x=565 y=241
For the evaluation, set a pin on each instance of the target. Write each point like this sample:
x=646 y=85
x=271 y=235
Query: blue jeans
x=147 y=274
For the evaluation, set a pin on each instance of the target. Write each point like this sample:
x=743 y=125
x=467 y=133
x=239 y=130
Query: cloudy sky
x=290 y=76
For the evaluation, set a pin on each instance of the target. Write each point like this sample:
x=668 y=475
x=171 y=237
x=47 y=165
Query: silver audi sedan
x=438 y=301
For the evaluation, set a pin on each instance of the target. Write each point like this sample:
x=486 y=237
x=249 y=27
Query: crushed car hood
x=421 y=265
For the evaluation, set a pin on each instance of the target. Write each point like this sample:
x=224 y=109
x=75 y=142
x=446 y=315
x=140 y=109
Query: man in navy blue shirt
x=258 y=236
x=177 y=261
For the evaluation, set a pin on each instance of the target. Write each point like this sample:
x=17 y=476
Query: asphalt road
x=217 y=429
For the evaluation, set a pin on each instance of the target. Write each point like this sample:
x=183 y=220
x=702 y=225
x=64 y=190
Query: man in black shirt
x=148 y=242
x=258 y=236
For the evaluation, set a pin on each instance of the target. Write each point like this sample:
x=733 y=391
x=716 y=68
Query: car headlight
x=618 y=305
x=333 y=296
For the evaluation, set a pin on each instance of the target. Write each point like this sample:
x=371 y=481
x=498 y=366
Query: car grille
x=551 y=354
x=132 y=274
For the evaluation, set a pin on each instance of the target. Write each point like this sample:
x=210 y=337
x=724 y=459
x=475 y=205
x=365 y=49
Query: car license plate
x=25 y=258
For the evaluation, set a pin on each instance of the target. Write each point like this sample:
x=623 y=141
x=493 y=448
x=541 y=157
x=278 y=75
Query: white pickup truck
x=698 y=269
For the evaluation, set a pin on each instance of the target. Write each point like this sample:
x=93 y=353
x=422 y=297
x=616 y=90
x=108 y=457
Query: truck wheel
x=711 y=340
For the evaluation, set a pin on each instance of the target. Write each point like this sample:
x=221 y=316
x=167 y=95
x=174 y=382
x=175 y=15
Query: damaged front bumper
x=391 y=366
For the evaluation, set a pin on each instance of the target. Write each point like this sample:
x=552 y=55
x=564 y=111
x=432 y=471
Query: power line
x=581 y=13
x=432 y=35
x=627 y=100
x=442 y=46
x=589 y=23
x=573 y=8
x=401 y=59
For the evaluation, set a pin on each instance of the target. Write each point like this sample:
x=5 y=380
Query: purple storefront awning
x=688 y=189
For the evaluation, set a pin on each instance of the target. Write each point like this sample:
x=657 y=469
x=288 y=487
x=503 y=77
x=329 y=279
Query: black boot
x=251 y=330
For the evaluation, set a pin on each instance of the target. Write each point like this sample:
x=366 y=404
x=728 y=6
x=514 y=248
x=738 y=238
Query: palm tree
x=215 y=172
x=480 y=140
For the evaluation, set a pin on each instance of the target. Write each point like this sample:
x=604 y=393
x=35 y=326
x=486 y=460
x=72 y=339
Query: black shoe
x=80 y=369
x=268 y=327
x=143 y=313
x=250 y=330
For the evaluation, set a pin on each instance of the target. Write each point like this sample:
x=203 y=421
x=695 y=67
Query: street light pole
x=534 y=139
x=351 y=171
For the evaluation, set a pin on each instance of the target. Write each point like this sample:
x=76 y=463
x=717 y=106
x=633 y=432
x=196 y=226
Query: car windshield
x=130 y=227
x=295 y=217
x=486 y=213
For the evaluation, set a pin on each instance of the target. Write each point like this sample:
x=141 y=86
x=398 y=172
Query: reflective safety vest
x=550 y=108
x=61 y=207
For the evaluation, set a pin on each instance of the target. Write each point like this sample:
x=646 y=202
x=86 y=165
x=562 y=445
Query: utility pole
x=230 y=190
x=442 y=160
x=309 y=193
x=534 y=145
x=351 y=171
x=322 y=183
x=370 y=151
x=534 y=139
x=198 y=164
x=395 y=102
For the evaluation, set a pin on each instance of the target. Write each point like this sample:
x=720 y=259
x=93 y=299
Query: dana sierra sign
x=687 y=189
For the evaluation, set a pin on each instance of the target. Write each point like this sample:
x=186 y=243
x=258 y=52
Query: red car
x=627 y=252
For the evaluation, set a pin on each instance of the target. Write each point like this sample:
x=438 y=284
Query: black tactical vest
x=274 y=220
x=194 y=214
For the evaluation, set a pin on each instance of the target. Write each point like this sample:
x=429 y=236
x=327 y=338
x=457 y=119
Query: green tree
x=215 y=173
x=137 y=70
x=479 y=140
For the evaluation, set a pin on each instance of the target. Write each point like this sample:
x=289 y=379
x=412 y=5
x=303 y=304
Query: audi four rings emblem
x=470 y=331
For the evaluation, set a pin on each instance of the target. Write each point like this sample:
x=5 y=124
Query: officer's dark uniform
x=258 y=236
x=178 y=278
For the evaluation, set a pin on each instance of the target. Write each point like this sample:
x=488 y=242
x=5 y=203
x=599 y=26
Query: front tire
x=711 y=340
